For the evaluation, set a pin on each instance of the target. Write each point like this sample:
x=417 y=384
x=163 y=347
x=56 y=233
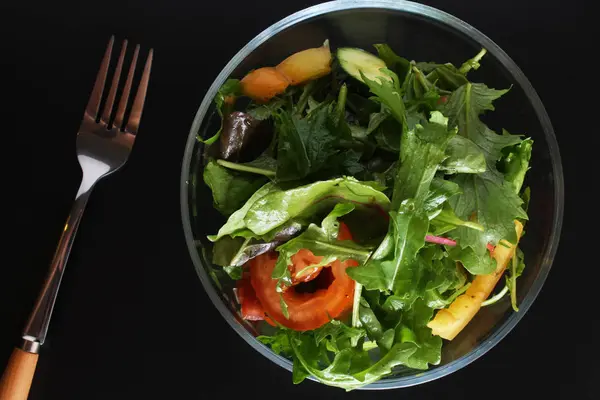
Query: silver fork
x=102 y=148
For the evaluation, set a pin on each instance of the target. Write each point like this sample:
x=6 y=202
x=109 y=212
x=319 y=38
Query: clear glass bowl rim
x=452 y=22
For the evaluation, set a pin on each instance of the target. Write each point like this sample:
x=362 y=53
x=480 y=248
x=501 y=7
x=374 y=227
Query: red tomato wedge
x=306 y=311
x=251 y=309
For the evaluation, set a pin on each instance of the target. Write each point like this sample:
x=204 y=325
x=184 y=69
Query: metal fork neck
x=35 y=331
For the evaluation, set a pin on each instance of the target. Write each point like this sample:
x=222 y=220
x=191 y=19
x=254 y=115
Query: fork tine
x=118 y=123
x=133 y=122
x=94 y=101
x=113 y=87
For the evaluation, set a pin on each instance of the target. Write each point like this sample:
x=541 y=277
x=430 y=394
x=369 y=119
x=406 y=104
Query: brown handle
x=18 y=375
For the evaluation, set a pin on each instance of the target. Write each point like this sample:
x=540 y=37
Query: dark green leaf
x=421 y=153
x=486 y=196
x=375 y=331
x=230 y=189
x=476 y=264
x=493 y=203
x=305 y=144
x=388 y=135
x=465 y=106
x=440 y=191
x=388 y=92
x=515 y=163
x=376 y=119
x=361 y=107
x=235 y=272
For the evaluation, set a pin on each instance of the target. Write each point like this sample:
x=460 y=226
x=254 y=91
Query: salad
x=370 y=212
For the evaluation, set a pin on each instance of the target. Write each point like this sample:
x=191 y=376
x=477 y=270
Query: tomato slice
x=251 y=309
x=306 y=311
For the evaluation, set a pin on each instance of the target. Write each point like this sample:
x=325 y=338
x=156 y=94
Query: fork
x=104 y=142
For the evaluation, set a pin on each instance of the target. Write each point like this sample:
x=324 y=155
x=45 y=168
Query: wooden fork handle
x=18 y=375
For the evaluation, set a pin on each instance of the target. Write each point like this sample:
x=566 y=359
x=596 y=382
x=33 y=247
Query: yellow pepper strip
x=450 y=321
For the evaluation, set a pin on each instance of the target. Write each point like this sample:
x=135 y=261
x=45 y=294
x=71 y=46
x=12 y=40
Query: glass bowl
x=416 y=32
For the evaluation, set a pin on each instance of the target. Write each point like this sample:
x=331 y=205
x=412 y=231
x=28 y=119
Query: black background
x=132 y=320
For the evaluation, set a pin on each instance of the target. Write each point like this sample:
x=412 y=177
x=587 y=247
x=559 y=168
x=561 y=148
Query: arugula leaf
x=351 y=368
x=411 y=344
x=413 y=329
x=338 y=336
x=495 y=205
x=464 y=107
x=446 y=219
x=475 y=263
x=486 y=196
x=515 y=163
x=376 y=332
x=390 y=265
x=444 y=279
x=421 y=153
x=230 y=189
x=440 y=190
x=394 y=62
x=396 y=252
x=388 y=92
x=321 y=241
x=277 y=207
x=279 y=342
x=231 y=88
x=464 y=157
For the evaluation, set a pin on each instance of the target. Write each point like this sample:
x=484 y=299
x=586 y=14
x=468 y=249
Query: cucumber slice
x=354 y=61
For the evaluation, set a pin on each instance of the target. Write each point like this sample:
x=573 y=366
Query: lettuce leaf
x=230 y=189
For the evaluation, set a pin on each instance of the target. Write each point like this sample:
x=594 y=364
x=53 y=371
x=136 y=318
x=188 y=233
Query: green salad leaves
x=396 y=150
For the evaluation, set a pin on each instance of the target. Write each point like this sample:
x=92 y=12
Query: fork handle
x=18 y=375
x=37 y=325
